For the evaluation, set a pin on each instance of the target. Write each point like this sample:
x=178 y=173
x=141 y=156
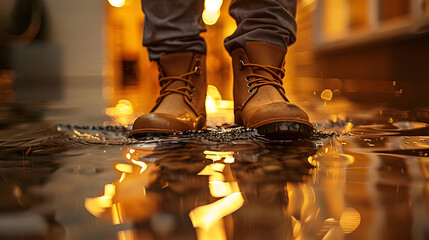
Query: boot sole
x=285 y=130
x=152 y=133
x=163 y=133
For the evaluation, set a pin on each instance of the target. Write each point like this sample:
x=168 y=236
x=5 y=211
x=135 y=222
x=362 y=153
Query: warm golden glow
x=217 y=156
x=350 y=220
x=126 y=235
x=205 y=216
x=109 y=190
x=208 y=170
x=121 y=114
x=216 y=231
x=305 y=3
x=218 y=111
x=116 y=213
x=296 y=224
x=217 y=167
x=143 y=165
x=217 y=176
x=335 y=15
x=208 y=219
x=326 y=95
x=210 y=104
x=126 y=198
x=126 y=168
x=211 y=11
x=210 y=18
x=212 y=5
x=122 y=178
x=229 y=159
x=213 y=96
x=347 y=159
x=312 y=161
x=219 y=189
x=117 y=3
x=84 y=135
x=96 y=206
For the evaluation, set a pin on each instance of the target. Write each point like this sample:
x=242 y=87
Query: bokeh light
x=117 y=3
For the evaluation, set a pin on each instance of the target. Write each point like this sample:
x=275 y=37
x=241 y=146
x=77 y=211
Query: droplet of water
x=326 y=95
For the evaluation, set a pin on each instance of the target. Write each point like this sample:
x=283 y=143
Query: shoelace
x=185 y=90
x=257 y=80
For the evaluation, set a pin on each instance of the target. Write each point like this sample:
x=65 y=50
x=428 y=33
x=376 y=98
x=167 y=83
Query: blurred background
x=82 y=62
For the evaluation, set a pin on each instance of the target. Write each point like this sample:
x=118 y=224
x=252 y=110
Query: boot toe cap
x=275 y=112
x=162 y=123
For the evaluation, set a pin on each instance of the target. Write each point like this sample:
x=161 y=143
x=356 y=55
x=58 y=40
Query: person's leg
x=171 y=34
x=173 y=26
x=270 y=21
x=265 y=28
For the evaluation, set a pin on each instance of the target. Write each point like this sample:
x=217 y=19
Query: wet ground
x=364 y=175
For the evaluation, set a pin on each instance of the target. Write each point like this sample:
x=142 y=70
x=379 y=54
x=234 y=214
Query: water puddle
x=89 y=182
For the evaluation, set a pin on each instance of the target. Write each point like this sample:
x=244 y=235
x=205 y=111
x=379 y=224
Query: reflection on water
x=70 y=182
x=204 y=191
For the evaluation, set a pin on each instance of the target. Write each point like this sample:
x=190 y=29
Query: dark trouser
x=174 y=25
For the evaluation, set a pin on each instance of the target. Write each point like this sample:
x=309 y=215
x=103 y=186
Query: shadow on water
x=85 y=182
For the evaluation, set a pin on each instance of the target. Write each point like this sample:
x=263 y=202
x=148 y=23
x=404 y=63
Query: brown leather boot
x=259 y=96
x=181 y=104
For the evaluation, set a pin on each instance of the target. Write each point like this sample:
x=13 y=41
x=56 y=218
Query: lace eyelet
x=250 y=91
x=193 y=89
x=247 y=79
x=197 y=69
x=242 y=64
x=249 y=85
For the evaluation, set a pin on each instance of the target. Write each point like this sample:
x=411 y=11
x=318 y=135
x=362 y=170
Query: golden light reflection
x=326 y=95
x=117 y=3
x=126 y=168
x=312 y=161
x=306 y=3
x=217 y=231
x=217 y=156
x=116 y=214
x=218 y=111
x=217 y=176
x=307 y=205
x=122 y=178
x=208 y=219
x=296 y=226
x=132 y=188
x=211 y=11
x=143 y=165
x=121 y=114
x=96 y=206
x=350 y=220
x=109 y=190
x=219 y=188
x=212 y=5
x=84 y=135
x=205 y=216
x=210 y=18
x=334 y=25
x=125 y=235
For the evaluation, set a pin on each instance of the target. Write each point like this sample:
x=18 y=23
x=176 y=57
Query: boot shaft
x=259 y=53
x=179 y=64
